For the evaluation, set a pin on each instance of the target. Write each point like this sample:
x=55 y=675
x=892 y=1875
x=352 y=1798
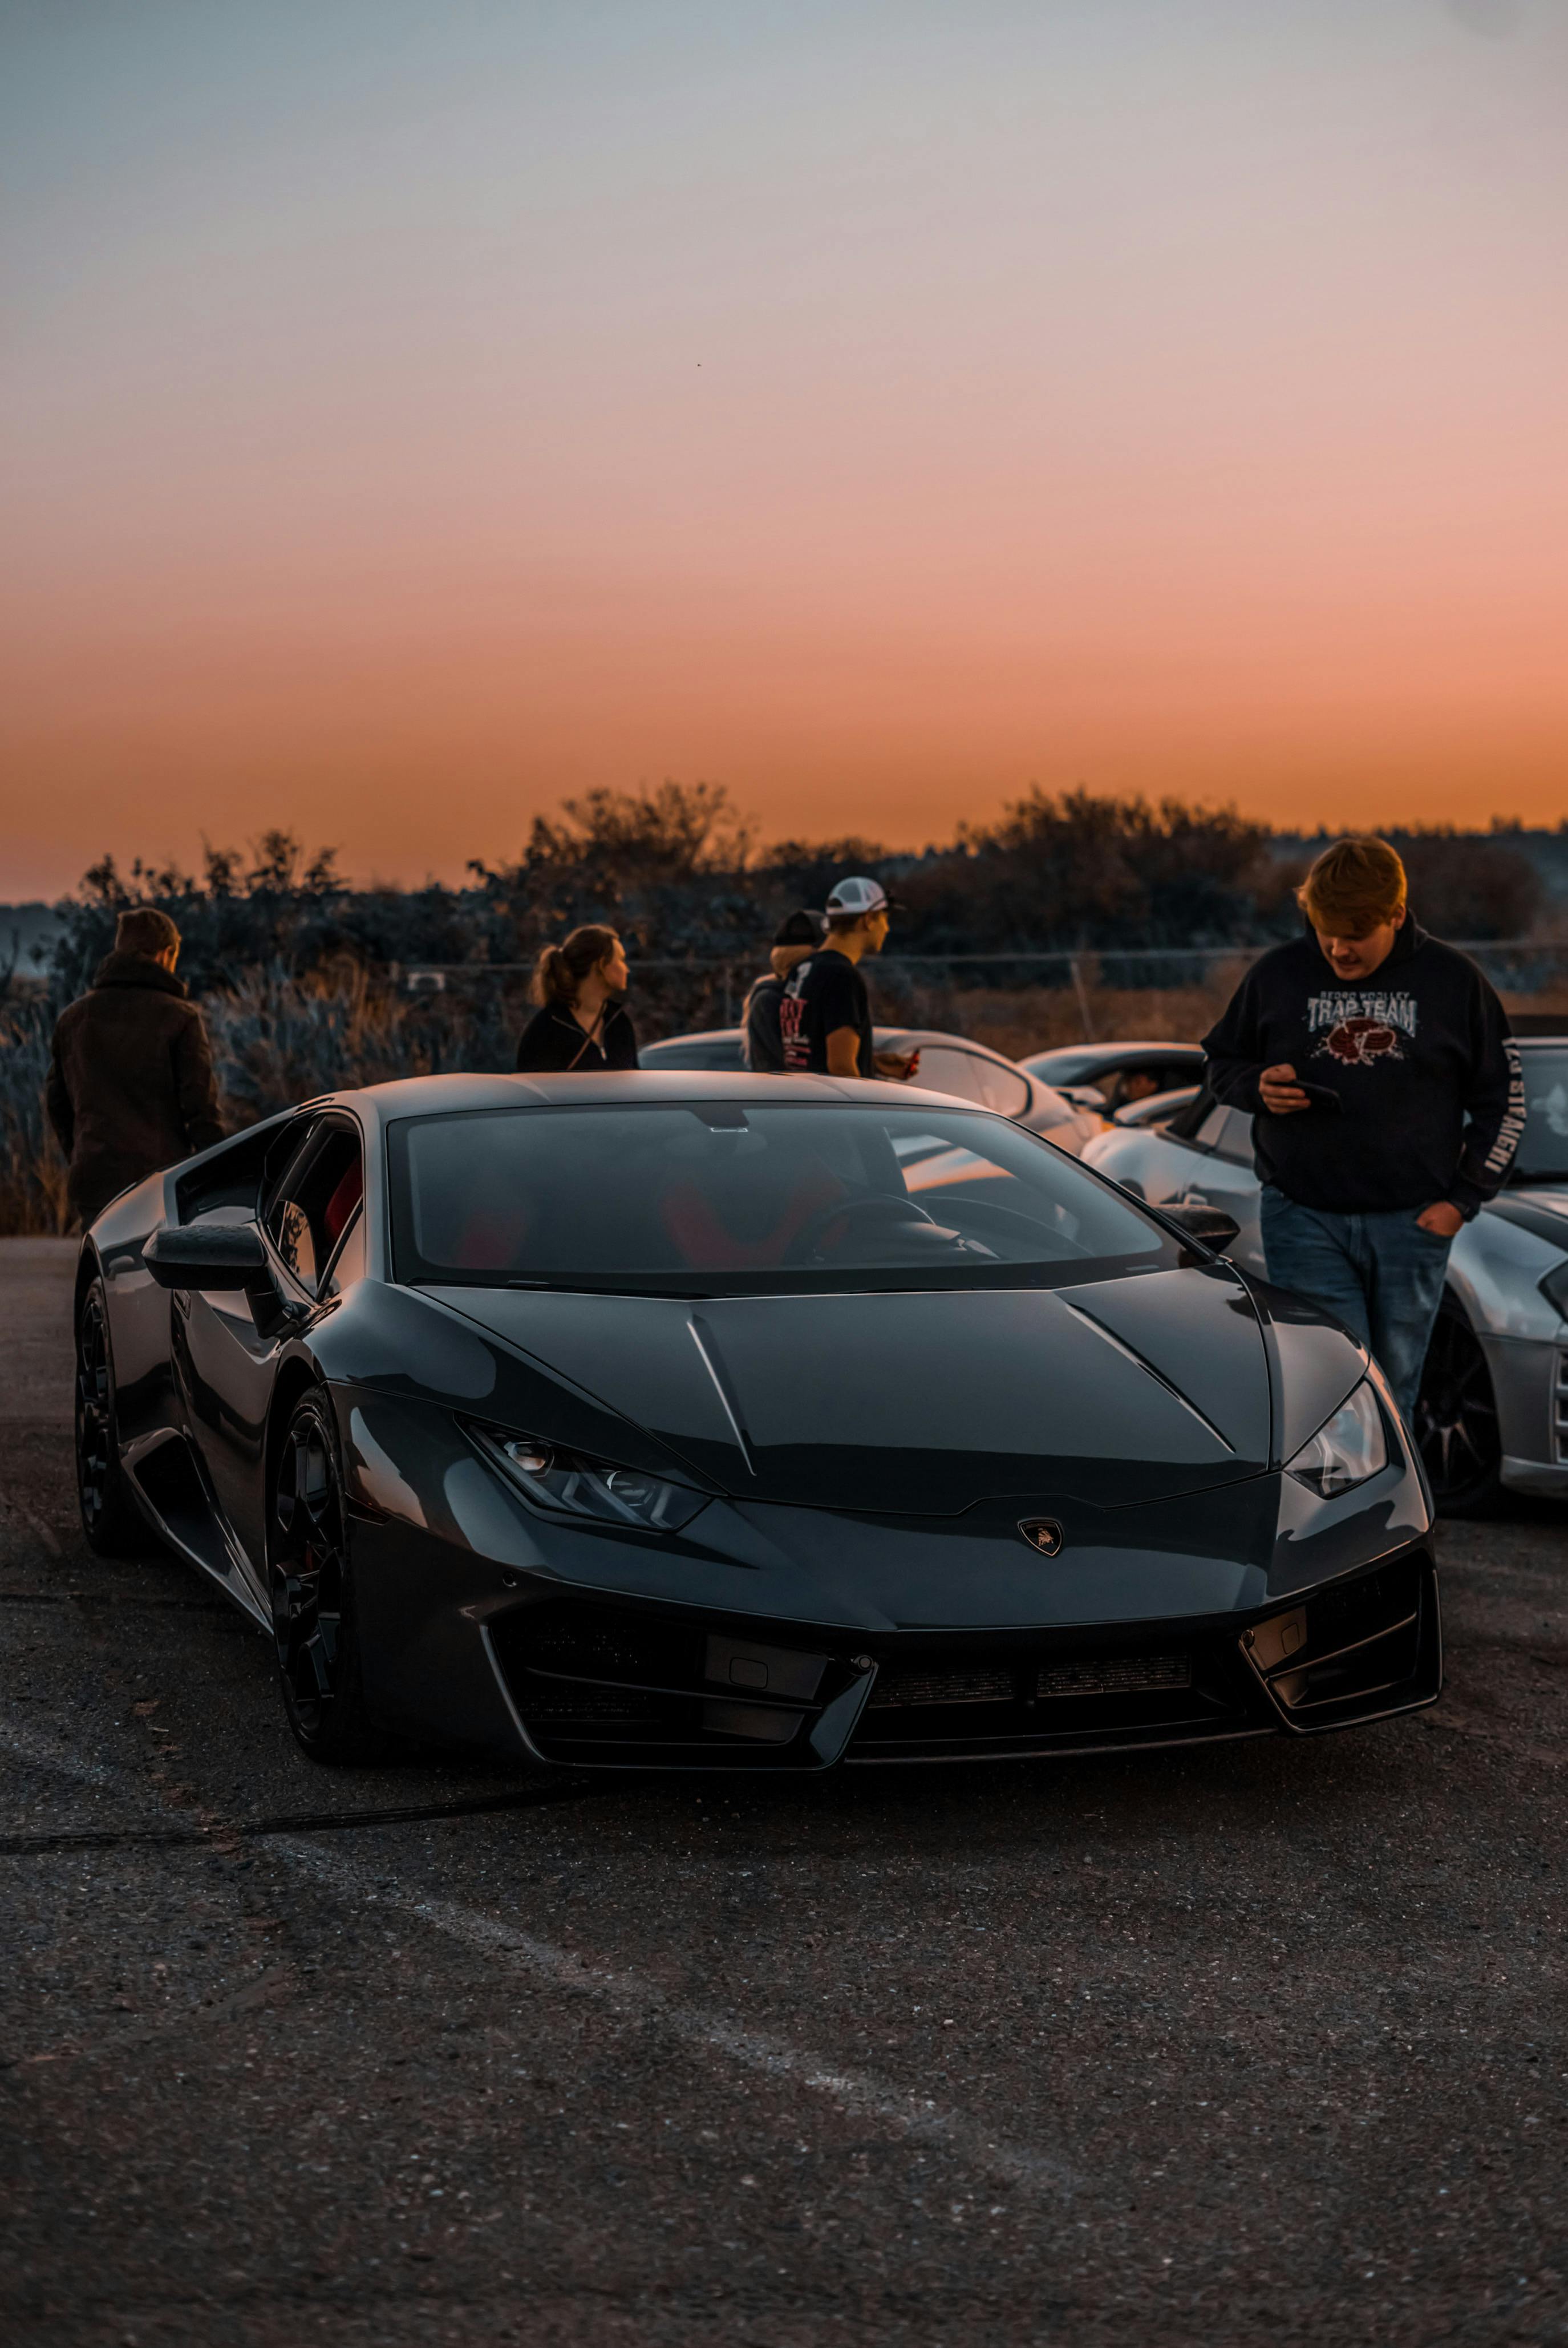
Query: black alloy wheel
x=312 y=1592
x=112 y=1524
x=1456 y=1420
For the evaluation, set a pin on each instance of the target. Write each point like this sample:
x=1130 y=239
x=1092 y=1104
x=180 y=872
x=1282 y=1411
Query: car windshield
x=1543 y=1154
x=722 y=1197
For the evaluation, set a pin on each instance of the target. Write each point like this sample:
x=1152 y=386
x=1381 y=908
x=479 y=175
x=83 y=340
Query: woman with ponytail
x=581 y=1023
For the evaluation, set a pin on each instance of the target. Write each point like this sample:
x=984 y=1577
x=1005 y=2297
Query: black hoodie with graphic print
x=1419 y=1054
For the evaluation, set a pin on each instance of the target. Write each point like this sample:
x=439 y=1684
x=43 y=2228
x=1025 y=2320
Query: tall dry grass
x=279 y=1038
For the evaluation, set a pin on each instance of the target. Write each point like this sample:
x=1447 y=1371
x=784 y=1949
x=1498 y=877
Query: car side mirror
x=1210 y=1226
x=202 y=1256
x=1086 y=1097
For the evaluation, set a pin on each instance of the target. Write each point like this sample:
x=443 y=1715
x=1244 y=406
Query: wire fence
x=1090 y=989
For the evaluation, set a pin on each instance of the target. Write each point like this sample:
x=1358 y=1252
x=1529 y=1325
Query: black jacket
x=130 y=1080
x=1427 y=1074
x=553 y=1043
x=762 y=1043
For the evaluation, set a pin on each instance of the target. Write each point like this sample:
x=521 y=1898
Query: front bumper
x=592 y=1683
x=772 y=1637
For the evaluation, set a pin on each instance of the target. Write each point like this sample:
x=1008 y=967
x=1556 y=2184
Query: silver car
x=1113 y=1076
x=948 y=1064
x=1493 y=1407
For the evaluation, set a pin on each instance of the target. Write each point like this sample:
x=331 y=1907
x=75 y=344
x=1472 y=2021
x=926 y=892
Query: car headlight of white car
x=1347 y=1449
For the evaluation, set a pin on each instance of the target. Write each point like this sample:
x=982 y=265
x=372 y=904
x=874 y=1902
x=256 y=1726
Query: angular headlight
x=1346 y=1449
x=570 y=1483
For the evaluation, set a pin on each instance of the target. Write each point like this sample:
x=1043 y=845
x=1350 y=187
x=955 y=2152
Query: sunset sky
x=418 y=413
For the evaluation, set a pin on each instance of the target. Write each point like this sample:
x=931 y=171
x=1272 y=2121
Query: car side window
x=225 y=1187
x=722 y=1054
x=942 y=1070
x=347 y=1266
x=1227 y=1133
x=969 y=1076
x=315 y=1201
x=1001 y=1087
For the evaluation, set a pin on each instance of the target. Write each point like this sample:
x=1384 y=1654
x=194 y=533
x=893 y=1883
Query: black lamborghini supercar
x=719 y=1422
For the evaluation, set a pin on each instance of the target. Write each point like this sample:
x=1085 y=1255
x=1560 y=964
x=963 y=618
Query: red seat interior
x=344 y=1200
x=695 y=1223
x=492 y=1240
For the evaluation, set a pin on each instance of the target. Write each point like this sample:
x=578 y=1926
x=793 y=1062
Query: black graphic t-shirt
x=1431 y=1097
x=820 y=995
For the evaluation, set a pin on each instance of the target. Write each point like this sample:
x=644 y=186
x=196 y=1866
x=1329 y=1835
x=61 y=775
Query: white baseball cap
x=860 y=896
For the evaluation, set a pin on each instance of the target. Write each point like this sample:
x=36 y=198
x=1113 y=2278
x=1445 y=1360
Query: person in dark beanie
x=581 y=1023
x=131 y=1075
x=762 y=1043
x=1388 y=1102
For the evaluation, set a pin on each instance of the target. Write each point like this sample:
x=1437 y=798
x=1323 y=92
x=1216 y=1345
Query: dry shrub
x=31 y=1170
x=1041 y=1018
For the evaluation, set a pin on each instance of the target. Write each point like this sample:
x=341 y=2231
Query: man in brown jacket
x=131 y=1082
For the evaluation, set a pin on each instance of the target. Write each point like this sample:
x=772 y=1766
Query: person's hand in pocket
x=1442 y=1219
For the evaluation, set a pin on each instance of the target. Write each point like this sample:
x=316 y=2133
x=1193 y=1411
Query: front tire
x=112 y=1524
x=313 y=1628
x=1456 y=1420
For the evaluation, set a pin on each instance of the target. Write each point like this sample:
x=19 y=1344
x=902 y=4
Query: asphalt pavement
x=1260 y=2044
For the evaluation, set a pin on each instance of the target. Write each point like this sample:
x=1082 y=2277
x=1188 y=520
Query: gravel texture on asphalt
x=1264 y=2042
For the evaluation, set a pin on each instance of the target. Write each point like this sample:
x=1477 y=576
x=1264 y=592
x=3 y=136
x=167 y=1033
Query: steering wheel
x=882 y=1207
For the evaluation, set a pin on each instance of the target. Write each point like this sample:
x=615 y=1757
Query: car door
x=1214 y=1168
x=1226 y=1179
x=226 y=1362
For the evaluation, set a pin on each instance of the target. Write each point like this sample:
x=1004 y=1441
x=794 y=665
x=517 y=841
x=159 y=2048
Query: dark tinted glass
x=312 y=1205
x=715 y=1051
x=720 y=1198
x=1544 y=1148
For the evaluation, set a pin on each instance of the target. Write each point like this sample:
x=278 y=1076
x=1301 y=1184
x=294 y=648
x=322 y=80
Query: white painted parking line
x=859 y=2095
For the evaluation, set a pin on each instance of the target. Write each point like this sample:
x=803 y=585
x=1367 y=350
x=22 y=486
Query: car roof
x=698 y=1035
x=922 y=1035
x=1110 y=1055
x=450 y=1095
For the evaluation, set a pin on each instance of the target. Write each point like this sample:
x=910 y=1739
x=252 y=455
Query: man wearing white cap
x=825 y=1012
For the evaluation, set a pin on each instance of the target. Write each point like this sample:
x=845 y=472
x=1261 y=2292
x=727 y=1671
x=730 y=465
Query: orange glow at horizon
x=874 y=414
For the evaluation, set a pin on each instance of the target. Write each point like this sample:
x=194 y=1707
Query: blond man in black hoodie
x=1386 y=1099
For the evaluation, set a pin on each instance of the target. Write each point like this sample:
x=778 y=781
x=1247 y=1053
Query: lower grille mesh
x=899 y=1688
x=1116 y=1675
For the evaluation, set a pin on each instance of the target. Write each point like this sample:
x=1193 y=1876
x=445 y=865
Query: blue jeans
x=1382 y=1275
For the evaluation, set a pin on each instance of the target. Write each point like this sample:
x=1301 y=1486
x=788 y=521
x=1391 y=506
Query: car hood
x=923 y=1403
x=1546 y=1197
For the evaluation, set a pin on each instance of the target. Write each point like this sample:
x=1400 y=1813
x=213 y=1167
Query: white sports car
x=1493 y=1408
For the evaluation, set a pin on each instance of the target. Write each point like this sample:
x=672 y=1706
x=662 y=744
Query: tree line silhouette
x=296 y=967
x=683 y=878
